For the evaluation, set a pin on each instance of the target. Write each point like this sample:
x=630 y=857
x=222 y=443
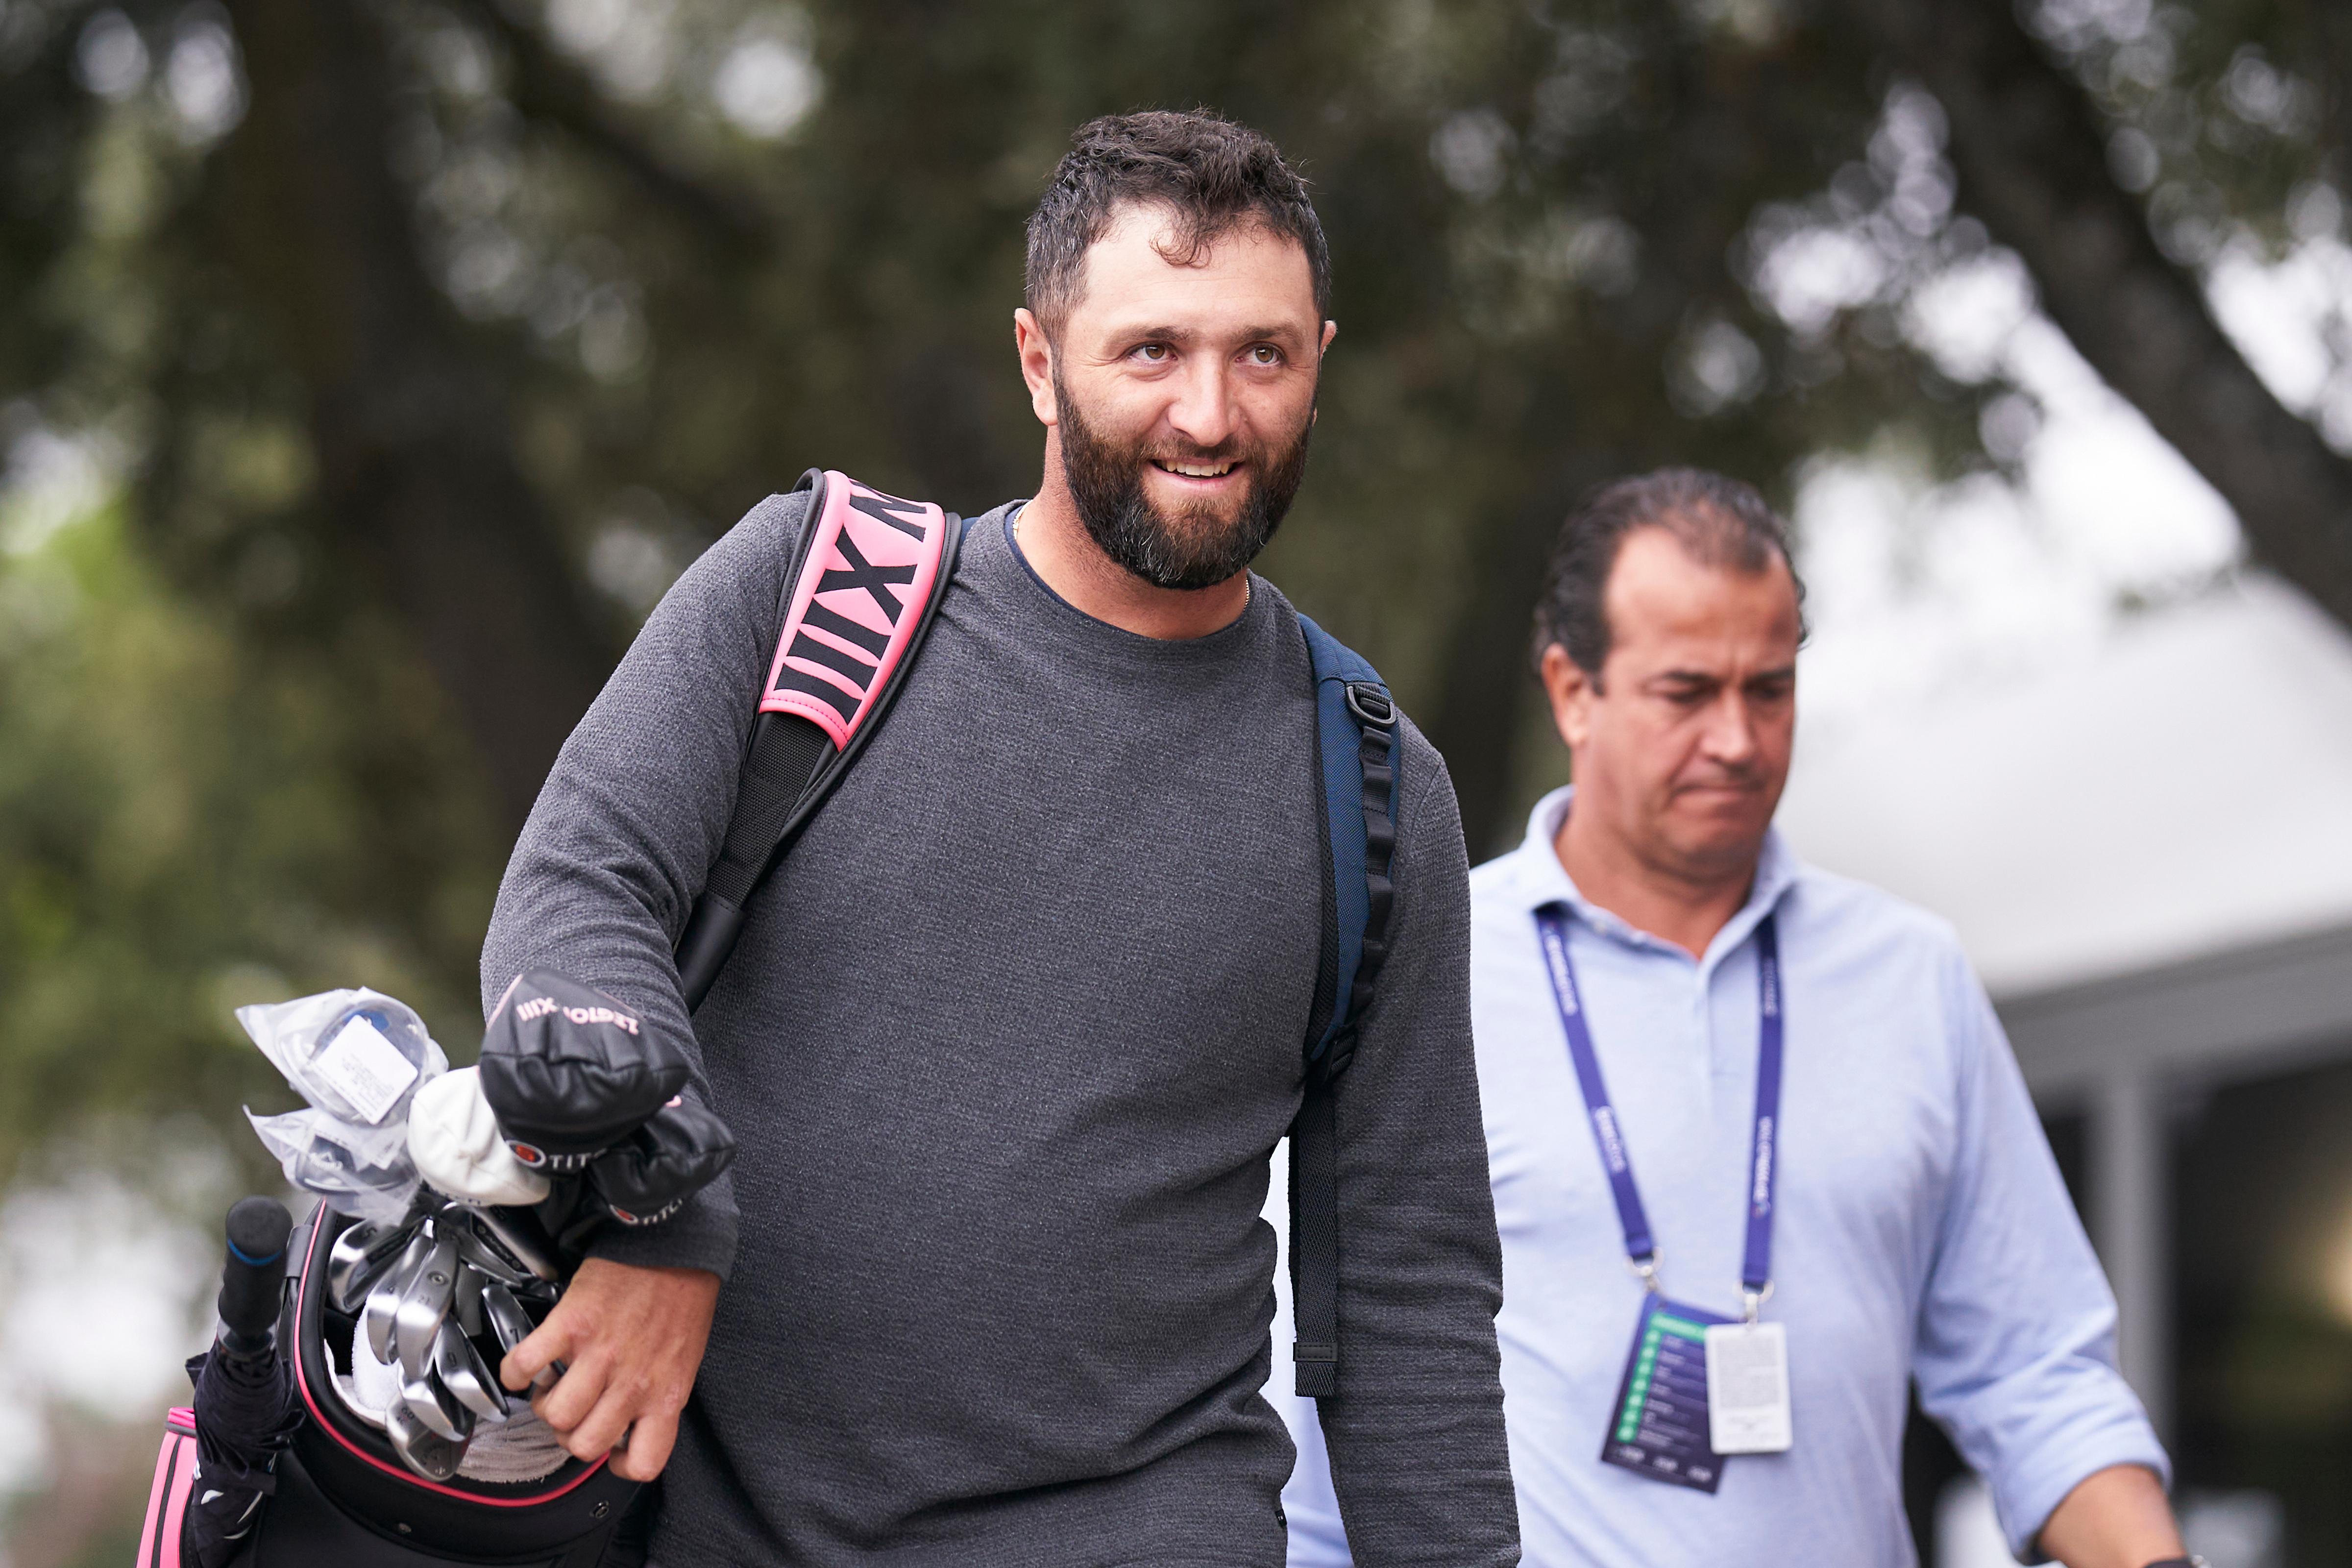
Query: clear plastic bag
x=359 y=1058
x=327 y=1155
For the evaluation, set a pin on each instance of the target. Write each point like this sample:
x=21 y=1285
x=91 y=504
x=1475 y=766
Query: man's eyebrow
x=1708 y=678
x=1186 y=337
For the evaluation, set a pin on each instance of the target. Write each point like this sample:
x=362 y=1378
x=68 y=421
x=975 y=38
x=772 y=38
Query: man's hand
x=630 y=1341
x=2116 y=1518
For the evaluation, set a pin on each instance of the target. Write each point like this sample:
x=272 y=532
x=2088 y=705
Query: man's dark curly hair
x=1720 y=521
x=1211 y=174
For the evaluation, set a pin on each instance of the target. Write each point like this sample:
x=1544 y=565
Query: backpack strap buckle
x=1370 y=704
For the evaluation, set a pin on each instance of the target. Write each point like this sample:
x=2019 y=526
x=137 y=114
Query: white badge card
x=362 y=1065
x=1747 y=1388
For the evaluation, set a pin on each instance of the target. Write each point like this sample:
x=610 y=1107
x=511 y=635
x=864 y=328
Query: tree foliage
x=420 y=343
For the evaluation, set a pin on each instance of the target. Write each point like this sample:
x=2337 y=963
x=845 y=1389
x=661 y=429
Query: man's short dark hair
x=1720 y=521
x=1212 y=175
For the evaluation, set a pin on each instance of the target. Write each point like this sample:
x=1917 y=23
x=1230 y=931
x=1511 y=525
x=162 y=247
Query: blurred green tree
x=417 y=345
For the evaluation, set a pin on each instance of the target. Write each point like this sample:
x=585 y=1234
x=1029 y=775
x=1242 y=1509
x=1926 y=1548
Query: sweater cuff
x=700 y=1236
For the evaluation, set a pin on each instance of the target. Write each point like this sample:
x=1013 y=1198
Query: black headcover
x=570 y=1072
x=681 y=1149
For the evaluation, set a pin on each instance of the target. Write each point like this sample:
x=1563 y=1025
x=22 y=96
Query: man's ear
x=1036 y=353
x=1330 y=331
x=1571 y=693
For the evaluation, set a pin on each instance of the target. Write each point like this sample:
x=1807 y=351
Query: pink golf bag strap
x=167 y=1498
x=864 y=588
x=864 y=578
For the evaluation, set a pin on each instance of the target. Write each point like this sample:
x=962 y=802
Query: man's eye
x=1265 y=353
x=1152 y=353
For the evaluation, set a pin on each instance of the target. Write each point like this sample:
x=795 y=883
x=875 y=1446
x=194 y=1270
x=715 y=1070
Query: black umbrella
x=247 y=1408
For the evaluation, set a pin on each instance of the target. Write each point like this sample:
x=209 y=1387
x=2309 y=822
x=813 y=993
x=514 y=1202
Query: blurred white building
x=2148 y=852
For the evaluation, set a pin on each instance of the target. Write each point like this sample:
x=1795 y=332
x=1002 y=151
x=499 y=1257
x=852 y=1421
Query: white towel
x=523 y=1448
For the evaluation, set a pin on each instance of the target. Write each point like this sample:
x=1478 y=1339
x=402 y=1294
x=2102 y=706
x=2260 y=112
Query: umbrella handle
x=254 y=1275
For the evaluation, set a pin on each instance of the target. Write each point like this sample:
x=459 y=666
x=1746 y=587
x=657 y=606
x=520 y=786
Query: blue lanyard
x=1756 y=1271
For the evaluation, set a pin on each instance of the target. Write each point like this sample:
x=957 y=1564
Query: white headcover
x=459 y=1150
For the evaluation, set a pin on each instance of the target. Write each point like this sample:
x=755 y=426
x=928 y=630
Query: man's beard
x=1195 y=548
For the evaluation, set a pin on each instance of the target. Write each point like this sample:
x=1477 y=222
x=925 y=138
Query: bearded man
x=1009 y=1040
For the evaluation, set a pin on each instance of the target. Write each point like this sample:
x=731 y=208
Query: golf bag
x=340 y=1494
x=350 y=1413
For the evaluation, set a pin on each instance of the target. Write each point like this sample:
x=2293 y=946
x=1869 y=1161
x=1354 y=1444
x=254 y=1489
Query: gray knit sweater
x=1006 y=1045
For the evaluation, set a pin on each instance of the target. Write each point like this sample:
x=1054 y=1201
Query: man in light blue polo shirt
x=1748 y=1120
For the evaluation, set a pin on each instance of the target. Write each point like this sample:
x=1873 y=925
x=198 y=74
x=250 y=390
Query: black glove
x=570 y=1072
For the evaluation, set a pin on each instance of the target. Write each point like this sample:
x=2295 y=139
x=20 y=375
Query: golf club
x=424 y=1307
x=384 y=1298
x=458 y=1367
x=437 y=1409
x=486 y=1255
x=426 y=1452
x=522 y=1241
x=468 y=1307
x=509 y=1324
x=362 y=1256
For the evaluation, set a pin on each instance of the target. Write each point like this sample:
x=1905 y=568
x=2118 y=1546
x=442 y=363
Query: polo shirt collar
x=1536 y=877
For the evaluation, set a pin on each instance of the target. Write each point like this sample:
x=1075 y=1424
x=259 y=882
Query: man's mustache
x=1223 y=452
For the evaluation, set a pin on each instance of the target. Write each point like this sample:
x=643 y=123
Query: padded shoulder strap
x=1356 y=751
x=861 y=593
x=865 y=586
x=1355 y=733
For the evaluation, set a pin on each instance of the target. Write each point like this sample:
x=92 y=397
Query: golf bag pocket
x=167 y=1500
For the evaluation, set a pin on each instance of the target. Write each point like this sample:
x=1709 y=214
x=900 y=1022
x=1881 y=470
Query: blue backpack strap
x=1356 y=750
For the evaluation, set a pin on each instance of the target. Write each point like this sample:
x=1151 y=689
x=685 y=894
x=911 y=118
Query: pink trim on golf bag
x=167 y=1500
x=312 y=1273
x=865 y=579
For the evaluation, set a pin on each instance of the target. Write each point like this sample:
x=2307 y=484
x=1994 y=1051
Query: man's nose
x=1203 y=410
x=1731 y=731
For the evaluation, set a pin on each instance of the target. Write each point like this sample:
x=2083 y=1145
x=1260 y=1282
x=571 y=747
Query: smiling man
x=1009 y=1040
x=1761 y=1157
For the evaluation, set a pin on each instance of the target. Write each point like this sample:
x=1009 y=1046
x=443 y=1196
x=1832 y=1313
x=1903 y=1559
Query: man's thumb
x=545 y=1345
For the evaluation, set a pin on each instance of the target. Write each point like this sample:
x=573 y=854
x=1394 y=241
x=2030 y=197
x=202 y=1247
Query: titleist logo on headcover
x=539 y=1159
x=540 y=1006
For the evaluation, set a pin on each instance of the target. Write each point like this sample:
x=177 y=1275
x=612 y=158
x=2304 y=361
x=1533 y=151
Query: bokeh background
x=368 y=368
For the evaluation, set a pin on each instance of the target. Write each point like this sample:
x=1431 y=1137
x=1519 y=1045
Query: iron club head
x=362 y=1256
x=458 y=1368
x=437 y=1408
x=492 y=1260
x=422 y=1449
x=518 y=1235
x=424 y=1307
x=509 y=1324
x=384 y=1298
x=468 y=1307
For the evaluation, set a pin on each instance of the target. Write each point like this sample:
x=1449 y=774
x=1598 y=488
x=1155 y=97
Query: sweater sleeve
x=1417 y=1450
x=631 y=819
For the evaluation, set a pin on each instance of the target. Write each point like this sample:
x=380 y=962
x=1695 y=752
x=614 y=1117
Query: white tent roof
x=2185 y=790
